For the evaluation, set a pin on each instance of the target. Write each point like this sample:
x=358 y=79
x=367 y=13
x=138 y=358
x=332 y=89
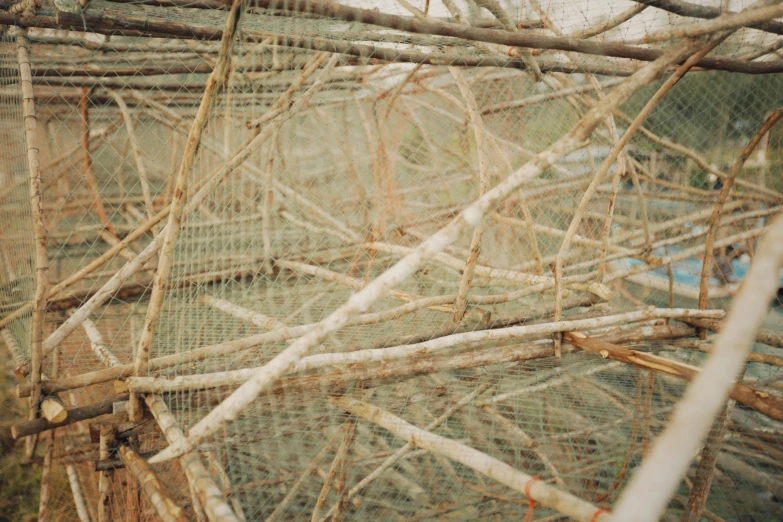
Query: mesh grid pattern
x=363 y=158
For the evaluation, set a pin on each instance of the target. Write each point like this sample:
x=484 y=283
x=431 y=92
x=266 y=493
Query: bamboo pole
x=537 y=490
x=161 y=500
x=648 y=492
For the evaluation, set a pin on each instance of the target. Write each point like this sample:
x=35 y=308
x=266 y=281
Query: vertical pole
x=39 y=229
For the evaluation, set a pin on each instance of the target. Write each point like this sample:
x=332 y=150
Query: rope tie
x=530 y=502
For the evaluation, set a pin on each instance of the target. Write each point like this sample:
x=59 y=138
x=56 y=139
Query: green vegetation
x=20 y=485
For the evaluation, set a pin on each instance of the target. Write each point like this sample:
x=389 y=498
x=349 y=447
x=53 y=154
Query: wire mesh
x=334 y=148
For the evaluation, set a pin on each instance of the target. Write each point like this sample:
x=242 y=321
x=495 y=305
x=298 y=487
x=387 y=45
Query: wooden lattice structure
x=395 y=260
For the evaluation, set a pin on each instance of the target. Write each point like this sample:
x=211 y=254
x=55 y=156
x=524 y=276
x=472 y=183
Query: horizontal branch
x=692 y=10
x=401 y=362
x=81 y=413
x=762 y=402
x=519 y=39
x=146 y=26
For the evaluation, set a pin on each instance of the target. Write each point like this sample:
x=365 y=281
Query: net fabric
x=365 y=160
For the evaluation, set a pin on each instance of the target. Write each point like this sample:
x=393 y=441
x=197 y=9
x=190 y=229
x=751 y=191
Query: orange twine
x=531 y=503
x=599 y=513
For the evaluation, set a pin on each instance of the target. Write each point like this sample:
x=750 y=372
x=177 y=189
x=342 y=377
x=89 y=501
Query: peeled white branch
x=651 y=487
x=542 y=493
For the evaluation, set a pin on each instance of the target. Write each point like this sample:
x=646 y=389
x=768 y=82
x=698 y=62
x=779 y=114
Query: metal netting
x=552 y=330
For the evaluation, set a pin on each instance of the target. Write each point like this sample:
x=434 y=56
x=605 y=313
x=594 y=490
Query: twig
x=137 y=154
x=613 y=154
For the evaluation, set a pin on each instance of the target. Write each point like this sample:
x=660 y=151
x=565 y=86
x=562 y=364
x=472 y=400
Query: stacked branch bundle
x=301 y=259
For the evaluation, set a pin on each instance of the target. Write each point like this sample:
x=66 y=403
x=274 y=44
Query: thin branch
x=538 y=490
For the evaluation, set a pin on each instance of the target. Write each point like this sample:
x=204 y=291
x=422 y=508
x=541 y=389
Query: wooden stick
x=609 y=24
x=762 y=336
x=77 y=414
x=764 y=403
x=107 y=442
x=612 y=156
x=210 y=496
x=98 y=347
x=675 y=447
x=537 y=490
x=89 y=175
x=283 y=505
x=53 y=410
x=482 y=148
x=747 y=17
x=164 y=505
x=694 y=10
x=700 y=161
x=705 y=473
x=407 y=448
x=39 y=229
x=226 y=483
x=76 y=492
x=258 y=319
x=215 y=82
x=395 y=353
x=347 y=433
x=523 y=39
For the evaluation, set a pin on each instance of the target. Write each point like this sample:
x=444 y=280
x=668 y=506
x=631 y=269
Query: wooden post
x=39 y=228
x=104 y=480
